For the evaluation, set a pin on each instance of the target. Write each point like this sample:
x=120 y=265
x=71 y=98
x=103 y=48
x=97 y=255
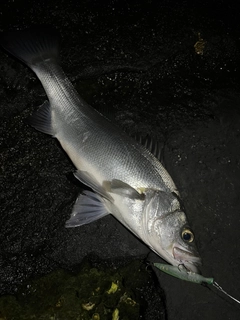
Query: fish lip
x=191 y=261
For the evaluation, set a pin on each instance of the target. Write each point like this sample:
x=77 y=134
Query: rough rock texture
x=138 y=59
x=92 y=291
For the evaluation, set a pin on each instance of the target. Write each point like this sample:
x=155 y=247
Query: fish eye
x=187 y=235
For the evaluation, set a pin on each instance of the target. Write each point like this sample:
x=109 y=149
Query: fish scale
x=107 y=146
x=126 y=179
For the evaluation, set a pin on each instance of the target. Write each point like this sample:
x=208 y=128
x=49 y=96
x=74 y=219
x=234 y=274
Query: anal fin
x=42 y=119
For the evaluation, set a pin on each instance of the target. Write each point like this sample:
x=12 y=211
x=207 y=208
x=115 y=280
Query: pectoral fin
x=88 y=208
x=124 y=189
x=87 y=179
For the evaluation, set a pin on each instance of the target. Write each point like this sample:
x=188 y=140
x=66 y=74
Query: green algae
x=92 y=293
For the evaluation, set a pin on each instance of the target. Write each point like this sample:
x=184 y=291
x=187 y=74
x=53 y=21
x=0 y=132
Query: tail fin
x=32 y=45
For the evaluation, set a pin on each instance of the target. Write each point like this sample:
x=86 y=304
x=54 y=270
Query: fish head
x=167 y=232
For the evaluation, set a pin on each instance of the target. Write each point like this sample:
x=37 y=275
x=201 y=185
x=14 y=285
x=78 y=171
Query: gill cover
x=166 y=231
x=158 y=205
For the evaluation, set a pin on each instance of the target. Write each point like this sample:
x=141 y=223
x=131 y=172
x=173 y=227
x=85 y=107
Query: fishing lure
x=181 y=272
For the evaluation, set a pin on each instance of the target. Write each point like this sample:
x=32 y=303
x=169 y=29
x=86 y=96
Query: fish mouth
x=191 y=261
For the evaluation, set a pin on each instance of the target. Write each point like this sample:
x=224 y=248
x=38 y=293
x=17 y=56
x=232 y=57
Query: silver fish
x=126 y=179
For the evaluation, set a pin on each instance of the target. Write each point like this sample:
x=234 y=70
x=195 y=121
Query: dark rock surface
x=91 y=291
x=139 y=59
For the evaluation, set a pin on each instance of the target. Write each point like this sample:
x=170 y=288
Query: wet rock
x=140 y=59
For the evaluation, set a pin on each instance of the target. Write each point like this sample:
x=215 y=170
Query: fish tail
x=32 y=46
